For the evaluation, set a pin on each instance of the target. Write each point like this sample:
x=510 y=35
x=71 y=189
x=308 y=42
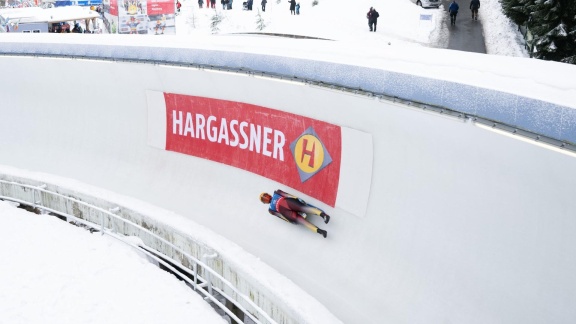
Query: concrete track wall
x=507 y=90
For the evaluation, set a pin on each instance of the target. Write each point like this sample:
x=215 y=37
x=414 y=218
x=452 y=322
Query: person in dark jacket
x=77 y=28
x=264 y=5
x=372 y=16
x=292 y=7
x=474 y=6
x=453 y=10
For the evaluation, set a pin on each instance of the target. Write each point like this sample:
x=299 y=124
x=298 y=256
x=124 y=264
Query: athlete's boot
x=322 y=232
x=325 y=216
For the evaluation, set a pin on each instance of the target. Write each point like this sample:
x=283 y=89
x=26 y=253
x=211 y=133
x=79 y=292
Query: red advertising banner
x=160 y=7
x=140 y=17
x=113 y=7
x=300 y=152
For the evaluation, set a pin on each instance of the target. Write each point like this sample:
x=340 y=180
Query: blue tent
x=83 y=3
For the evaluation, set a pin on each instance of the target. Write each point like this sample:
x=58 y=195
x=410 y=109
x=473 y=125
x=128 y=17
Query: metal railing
x=200 y=277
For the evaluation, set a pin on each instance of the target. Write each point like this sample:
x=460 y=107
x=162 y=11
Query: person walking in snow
x=474 y=6
x=298 y=8
x=453 y=10
x=292 y=7
x=264 y=5
x=293 y=210
x=372 y=16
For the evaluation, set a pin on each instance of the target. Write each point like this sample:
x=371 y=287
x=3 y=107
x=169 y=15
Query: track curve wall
x=458 y=223
x=521 y=102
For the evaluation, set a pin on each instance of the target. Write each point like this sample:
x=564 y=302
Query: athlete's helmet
x=265 y=198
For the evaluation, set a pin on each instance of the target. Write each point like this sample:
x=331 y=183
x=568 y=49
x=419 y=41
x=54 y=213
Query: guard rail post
x=205 y=258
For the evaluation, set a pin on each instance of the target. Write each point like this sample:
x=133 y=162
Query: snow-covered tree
x=260 y=23
x=553 y=25
x=517 y=10
x=191 y=19
x=215 y=22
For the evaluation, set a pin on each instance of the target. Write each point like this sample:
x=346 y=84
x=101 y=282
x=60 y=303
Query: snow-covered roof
x=49 y=15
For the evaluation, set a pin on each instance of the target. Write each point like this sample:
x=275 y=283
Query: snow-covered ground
x=53 y=272
x=401 y=23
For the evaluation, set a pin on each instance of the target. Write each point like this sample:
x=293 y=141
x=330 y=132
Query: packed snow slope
x=401 y=23
x=54 y=272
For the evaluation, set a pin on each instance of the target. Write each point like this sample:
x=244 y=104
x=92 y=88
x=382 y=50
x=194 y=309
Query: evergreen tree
x=260 y=23
x=191 y=20
x=517 y=10
x=215 y=22
x=553 y=25
x=571 y=16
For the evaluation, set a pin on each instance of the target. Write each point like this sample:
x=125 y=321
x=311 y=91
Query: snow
x=400 y=23
x=58 y=273
x=55 y=272
x=501 y=35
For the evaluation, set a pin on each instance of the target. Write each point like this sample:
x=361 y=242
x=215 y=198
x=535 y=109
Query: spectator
x=292 y=7
x=56 y=27
x=298 y=8
x=453 y=10
x=372 y=16
x=264 y=5
x=65 y=27
x=77 y=28
x=474 y=6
